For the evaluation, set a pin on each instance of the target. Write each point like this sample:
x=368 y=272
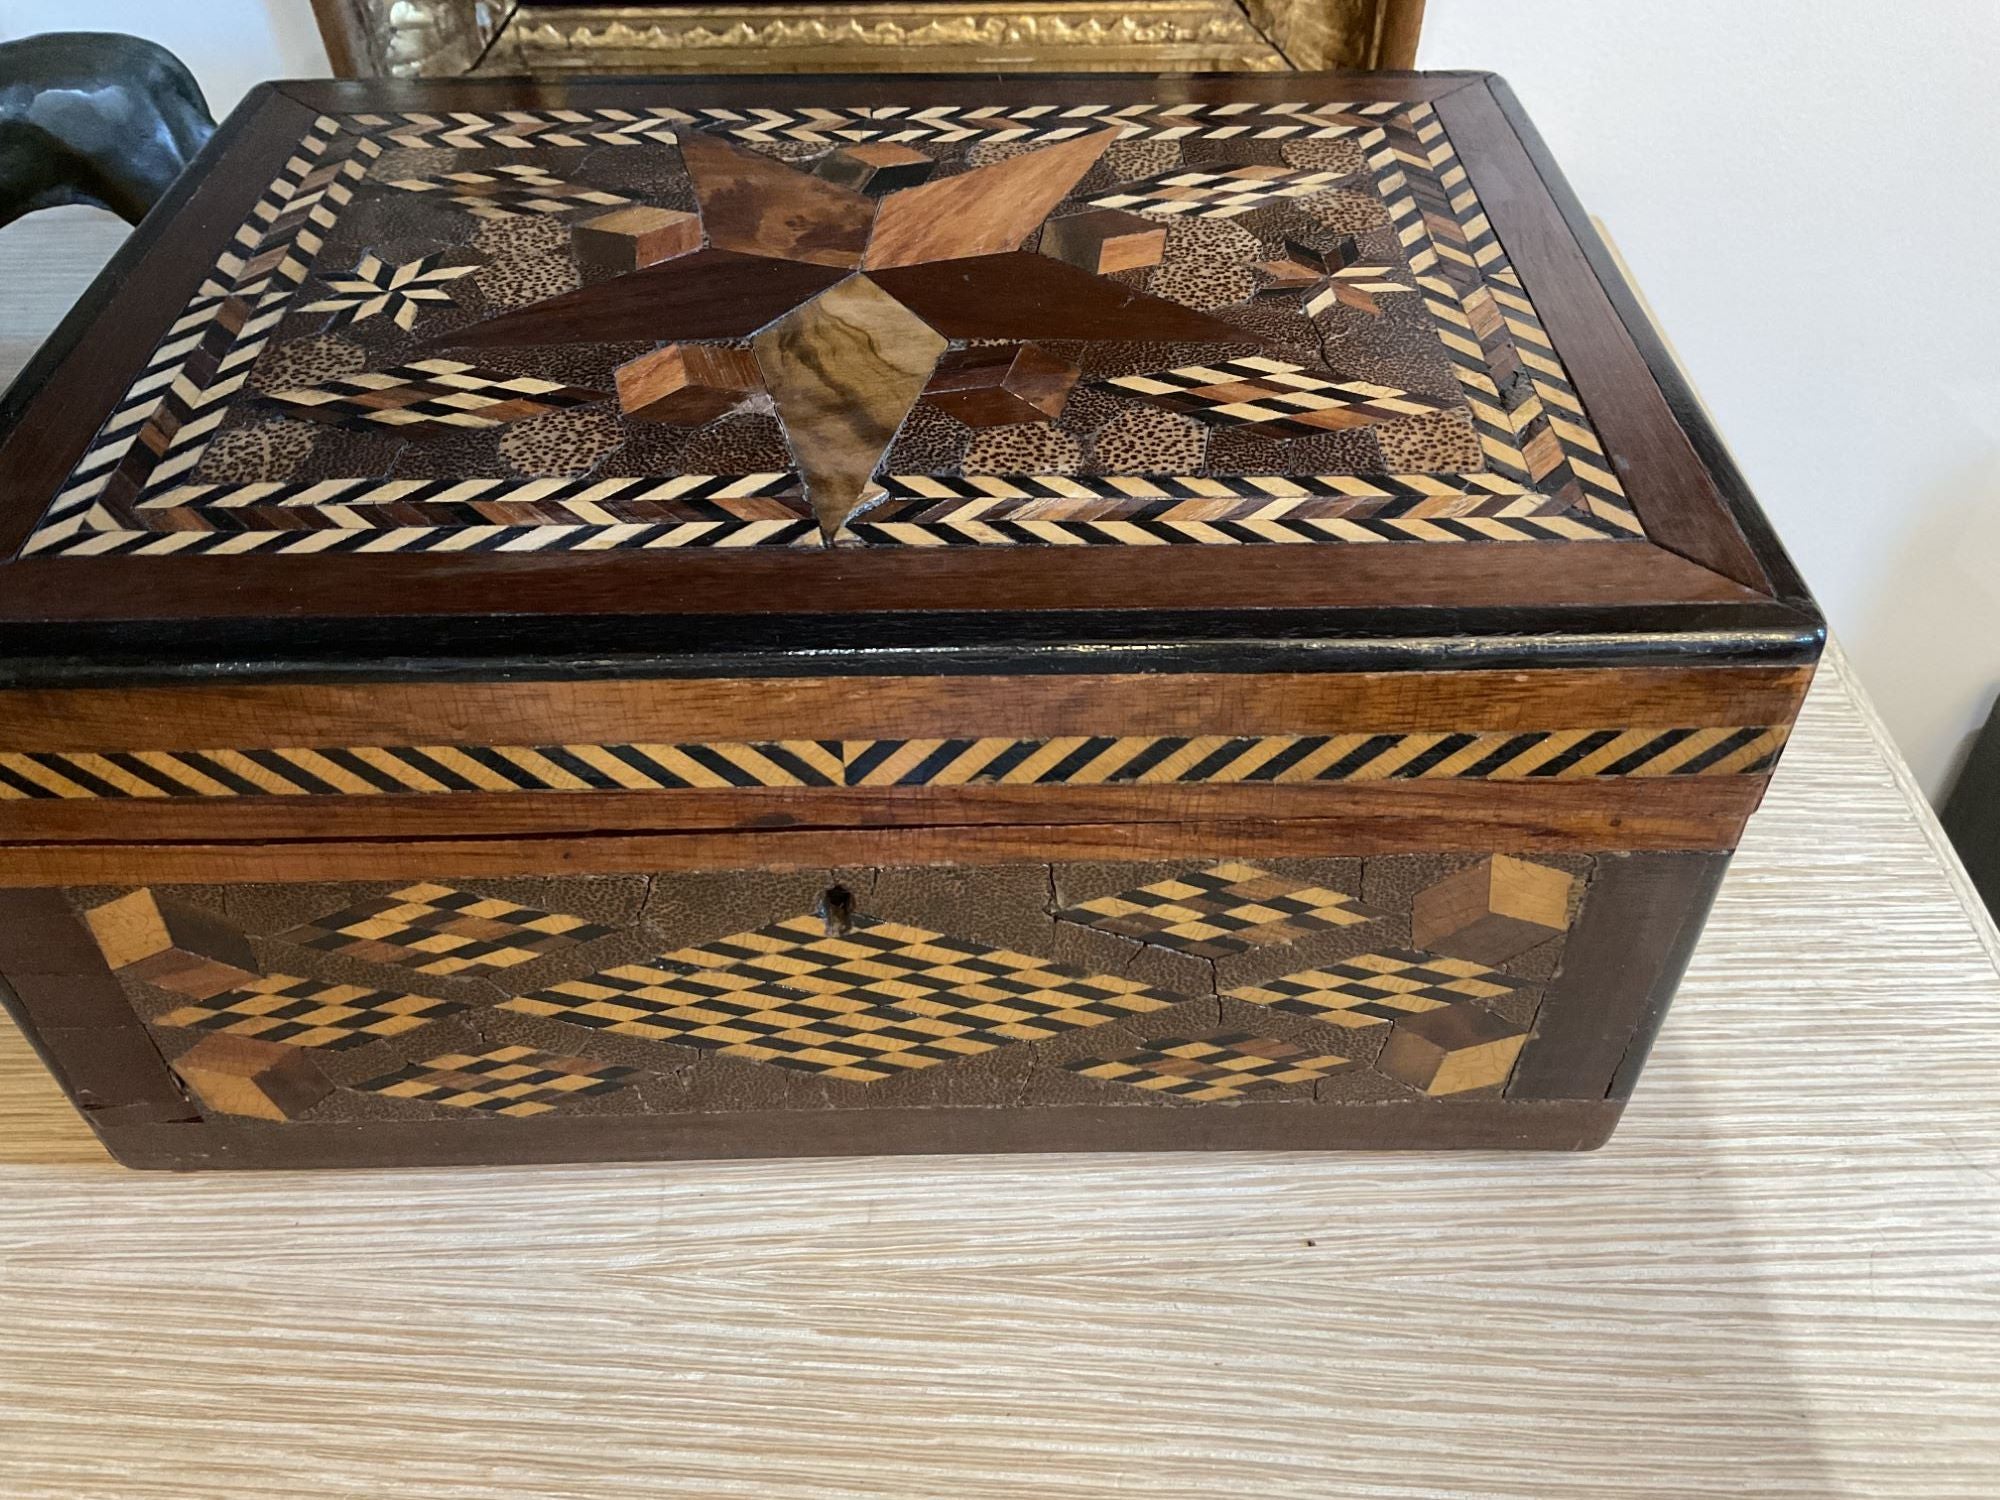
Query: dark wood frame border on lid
x=1710 y=579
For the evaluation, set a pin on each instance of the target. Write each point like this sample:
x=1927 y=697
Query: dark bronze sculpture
x=94 y=117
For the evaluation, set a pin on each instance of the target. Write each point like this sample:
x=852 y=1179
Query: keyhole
x=836 y=908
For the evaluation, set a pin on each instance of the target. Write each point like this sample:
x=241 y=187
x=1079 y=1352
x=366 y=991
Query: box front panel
x=326 y=923
x=1380 y=1000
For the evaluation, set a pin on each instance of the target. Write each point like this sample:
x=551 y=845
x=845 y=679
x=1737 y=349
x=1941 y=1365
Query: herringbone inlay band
x=1065 y=760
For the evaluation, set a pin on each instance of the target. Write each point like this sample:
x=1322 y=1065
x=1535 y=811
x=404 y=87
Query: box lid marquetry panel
x=483 y=373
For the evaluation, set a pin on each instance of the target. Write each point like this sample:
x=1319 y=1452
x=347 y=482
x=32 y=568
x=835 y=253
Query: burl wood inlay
x=760 y=207
x=986 y=211
x=1256 y=323
x=842 y=371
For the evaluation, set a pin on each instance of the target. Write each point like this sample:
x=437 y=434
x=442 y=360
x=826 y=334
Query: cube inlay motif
x=176 y=947
x=1494 y=910
x=1453 y=1050
x=1227 y=909
x=241 y=1075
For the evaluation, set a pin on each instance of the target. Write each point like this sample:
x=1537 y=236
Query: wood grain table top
x=1778 y=1279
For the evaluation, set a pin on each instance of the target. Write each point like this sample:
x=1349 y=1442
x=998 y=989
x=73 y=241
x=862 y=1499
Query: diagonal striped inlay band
x=1063 y=760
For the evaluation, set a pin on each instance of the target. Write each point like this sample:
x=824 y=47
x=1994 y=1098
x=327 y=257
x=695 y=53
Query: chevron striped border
x=1537 y=430
x=1064 y=760
x=164 y=421
x=1329 y=494
x=516 y=129
x=924 y=510
x=1264 y=526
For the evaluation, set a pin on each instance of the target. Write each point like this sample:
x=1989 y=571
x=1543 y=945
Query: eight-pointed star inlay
x=1322 y=278
x=848 y=301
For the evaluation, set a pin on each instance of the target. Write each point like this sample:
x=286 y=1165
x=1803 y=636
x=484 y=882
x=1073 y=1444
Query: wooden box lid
x=829 y=375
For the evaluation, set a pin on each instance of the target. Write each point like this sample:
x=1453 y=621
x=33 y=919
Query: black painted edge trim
x=943 y=646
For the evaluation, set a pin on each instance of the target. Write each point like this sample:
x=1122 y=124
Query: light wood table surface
x=1778 y=1280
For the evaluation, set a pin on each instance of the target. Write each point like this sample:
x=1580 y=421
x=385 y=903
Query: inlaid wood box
x=862 y=615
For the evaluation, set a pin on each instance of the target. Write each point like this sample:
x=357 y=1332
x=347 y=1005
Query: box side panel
x=1239 y=999
x=1619 y=974
x=55 y=982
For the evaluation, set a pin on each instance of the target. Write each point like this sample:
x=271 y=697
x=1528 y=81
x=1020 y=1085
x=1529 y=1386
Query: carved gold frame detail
x=439 y=38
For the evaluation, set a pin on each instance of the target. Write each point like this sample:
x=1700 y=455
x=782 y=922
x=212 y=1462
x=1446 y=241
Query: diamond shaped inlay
x=515 y=1081
x=1222 y=1066
x=431 y=392
x=1217 y=192
x=311 y=1013
x=1377 y=987
x=1220 y=911
x=436 y=929
x=1273 y=397
x=861 y=1005
x=509 y=191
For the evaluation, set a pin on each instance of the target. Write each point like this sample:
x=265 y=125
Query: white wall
x=1808 y=193
x=229 y=45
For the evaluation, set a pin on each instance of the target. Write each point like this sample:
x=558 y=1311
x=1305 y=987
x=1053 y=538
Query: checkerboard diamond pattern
x=514 y=1081
x=513 y=191
x=431 y=392
x=1221 y=1066
x=1273 y=398
x=436 y=929
x=311 y=1013
x=1218 y=192
x=879 y=999
x=1379 y=987
x=1227 y=909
